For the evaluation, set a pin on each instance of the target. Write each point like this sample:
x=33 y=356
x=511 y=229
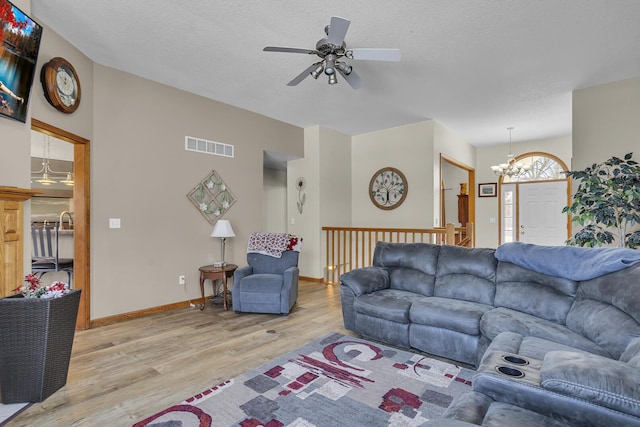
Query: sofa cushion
x=446 y=313
x=502 y=414
x=271 y=265
x=389 y=304
x=473 y=408
x=411 y=266
x=419 y=256
x=530 y=348
x=470 y=407
x=379 y=329
x=442 y=342
x=265 y=282
x=466 y=274
x=606 y=382
x=608 y=303
x=260 y=289
x=411 y=280
x=534 y=293
x=598 y=320
x=631 y=354
x=506 y=320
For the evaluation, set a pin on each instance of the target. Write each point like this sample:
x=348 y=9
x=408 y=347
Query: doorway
x=81 y=273
x=457 y=192
x=531 y=203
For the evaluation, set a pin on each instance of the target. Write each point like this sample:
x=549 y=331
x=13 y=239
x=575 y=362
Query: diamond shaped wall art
x=212 y=197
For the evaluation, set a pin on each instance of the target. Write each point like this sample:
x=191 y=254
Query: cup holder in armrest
x=510 y=372
x=515 y=360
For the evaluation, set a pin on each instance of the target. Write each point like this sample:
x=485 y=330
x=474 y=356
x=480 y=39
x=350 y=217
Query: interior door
x=540 y=217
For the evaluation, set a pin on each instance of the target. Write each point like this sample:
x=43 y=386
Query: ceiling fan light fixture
x=330 y=50
x=346 y=69
x=317 y=71
x=330 y=68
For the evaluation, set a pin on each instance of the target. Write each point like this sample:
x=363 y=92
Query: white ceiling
x=477 y=67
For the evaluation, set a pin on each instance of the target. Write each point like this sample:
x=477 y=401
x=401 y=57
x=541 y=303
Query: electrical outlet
x=181 y=280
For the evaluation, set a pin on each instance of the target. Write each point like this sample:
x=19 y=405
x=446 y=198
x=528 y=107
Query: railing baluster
x=353 y=247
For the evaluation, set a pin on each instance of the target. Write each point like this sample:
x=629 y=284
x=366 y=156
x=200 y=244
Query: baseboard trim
x=312 y=279
x=103 y=321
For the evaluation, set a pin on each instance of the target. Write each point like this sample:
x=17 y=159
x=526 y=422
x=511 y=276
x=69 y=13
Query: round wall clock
x=61 y=85
x=388 y=188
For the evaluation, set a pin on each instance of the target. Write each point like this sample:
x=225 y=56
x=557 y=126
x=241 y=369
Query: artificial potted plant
x=36 y=336
x=606 y=204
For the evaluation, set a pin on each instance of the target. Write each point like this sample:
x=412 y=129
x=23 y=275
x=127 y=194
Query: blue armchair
x=267 y=285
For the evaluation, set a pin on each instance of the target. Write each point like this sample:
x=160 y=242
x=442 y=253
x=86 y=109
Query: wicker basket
x=36 y=336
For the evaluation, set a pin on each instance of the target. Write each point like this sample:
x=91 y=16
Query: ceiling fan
x=332 y=51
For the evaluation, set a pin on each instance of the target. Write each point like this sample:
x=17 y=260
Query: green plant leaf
x=607 y=200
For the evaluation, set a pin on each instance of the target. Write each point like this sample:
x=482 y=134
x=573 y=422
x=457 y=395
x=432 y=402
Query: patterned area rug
x=334 y=381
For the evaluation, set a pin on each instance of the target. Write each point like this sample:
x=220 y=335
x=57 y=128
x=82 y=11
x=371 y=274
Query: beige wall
x=307 y=223
x=487 y=207
x=606 y=122
x=274 y=214
x=326 y=168
x=415 y=150
x=407 y=148
x=142 y=173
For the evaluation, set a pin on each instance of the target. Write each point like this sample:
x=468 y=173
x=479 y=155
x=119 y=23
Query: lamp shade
x=223 y=229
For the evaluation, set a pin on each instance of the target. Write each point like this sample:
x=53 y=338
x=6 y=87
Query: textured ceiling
x=477 y=67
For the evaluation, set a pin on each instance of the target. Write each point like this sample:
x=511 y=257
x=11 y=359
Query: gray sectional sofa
x=554 y=332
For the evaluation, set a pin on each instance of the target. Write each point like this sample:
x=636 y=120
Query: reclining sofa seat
x=453 y=301
x=423 y=296
x=582 y=337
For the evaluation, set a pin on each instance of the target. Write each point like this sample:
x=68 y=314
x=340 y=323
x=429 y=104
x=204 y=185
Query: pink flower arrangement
x=32 y=288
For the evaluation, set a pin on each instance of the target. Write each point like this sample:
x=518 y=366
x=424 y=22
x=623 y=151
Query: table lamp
x=222 y=229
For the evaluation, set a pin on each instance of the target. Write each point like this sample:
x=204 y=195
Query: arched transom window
x=541 y=168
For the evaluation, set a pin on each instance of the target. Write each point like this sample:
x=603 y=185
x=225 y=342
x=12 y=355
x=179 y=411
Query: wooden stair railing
x=352 y=247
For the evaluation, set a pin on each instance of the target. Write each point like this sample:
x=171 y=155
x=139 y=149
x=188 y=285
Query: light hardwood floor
x=125 y=372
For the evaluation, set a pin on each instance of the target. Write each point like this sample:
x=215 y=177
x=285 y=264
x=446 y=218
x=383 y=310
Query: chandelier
x=46 y=175
x=511 y=167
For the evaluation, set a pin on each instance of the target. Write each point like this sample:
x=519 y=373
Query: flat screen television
x=19 y=45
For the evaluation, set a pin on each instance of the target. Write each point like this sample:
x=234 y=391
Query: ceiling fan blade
x=303 y=75
x=289 y=50
x=337 y=30
x=374 y=54
x=353 y=79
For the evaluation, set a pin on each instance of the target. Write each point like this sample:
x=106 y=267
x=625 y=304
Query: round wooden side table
x=216 y=273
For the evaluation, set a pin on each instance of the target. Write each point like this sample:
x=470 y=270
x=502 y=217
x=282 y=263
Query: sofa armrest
x=290 y=278
x=365 y=280
x=240 y=273
x=596 y=379
x=289 y=288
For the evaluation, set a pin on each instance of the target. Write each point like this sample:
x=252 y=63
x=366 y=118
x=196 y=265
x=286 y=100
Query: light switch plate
x=114 y=222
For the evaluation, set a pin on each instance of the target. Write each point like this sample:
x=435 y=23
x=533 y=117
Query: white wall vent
x=209 y=147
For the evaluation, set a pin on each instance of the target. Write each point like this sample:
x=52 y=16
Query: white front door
x=541 y=220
